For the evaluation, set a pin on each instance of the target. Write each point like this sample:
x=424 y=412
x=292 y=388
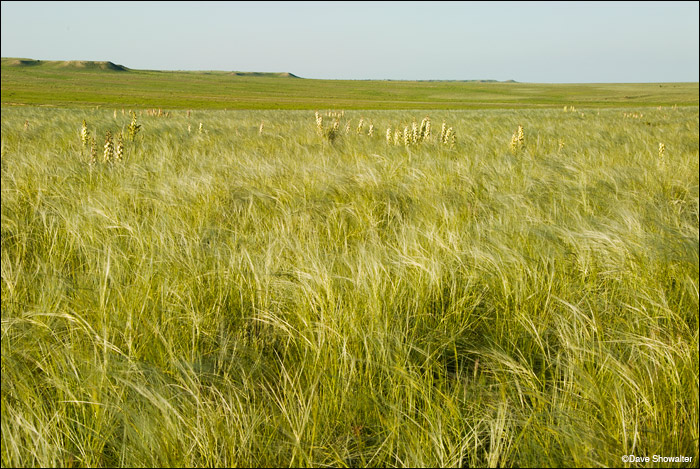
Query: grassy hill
x=63 y=64
x=105 y=84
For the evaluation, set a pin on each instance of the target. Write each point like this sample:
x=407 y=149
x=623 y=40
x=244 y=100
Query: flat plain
x=258 y=287
x=84 y=84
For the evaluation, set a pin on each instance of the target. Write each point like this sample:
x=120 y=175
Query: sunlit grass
x=239 y=297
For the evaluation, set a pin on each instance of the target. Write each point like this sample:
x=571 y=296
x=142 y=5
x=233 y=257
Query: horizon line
x=294 y=75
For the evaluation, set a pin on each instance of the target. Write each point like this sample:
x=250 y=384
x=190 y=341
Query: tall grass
x=245 y=298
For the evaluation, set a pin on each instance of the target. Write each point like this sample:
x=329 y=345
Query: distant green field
x=78 y=84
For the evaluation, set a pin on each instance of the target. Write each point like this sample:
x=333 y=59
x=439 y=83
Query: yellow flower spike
x=108 y=148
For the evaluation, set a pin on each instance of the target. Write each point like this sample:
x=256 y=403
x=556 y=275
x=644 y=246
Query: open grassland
x=268 y=292
x=106 y=84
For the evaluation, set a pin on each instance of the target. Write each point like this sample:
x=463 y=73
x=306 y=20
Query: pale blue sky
x=546 y=42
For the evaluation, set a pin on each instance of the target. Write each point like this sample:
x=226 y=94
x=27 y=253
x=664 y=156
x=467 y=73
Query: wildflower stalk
x=84 y=135
x=517 y=141
x=133 y=127
x=108 y=148
x=424 y=132
x=450 y=137
x=521 y=136
x=93 y=152
x=319 y=124
x=119 y=149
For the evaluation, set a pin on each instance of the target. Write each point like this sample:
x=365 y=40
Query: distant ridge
x=456 y=81
x=69 y=64
x=111 y=66
x=20 y=62
x=264 y=74
x=91 y=65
